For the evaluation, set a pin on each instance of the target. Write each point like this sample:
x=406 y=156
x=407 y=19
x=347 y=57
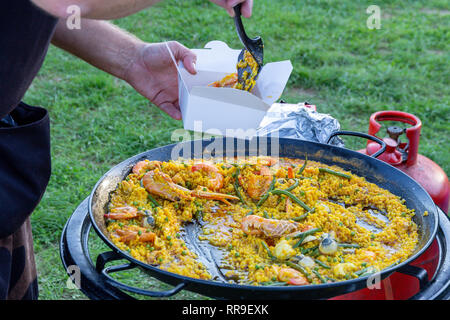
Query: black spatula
x=254 y=46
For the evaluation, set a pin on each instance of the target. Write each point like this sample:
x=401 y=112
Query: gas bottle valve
x=394 y=132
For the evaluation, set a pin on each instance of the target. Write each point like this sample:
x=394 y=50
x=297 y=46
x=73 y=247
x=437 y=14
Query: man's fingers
x=172 y=110
x=189 y=63
x=184 y=54
x=246 y=9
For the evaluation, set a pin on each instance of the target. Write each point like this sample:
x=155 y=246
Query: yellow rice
x=340 y=206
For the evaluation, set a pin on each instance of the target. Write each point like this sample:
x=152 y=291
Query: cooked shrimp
x=216 y=181
x=147 y=237
x=146 y=165
x=131 y=233
x=257 y=225
x=256 y=184
x=267 y=161
x=158 y=183
x=122 y=213
x=292 y=276
x=199 y=193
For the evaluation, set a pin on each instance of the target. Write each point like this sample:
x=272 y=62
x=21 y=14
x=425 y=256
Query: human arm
x=148 y=68
x=95 y=9
x=114 y=9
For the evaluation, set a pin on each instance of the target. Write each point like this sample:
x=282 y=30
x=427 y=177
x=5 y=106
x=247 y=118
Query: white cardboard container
x=227 y=111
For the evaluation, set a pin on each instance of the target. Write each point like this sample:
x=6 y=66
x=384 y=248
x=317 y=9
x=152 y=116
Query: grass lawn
x=340 y=65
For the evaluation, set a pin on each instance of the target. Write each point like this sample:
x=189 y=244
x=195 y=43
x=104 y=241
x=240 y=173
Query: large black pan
x=372 y=169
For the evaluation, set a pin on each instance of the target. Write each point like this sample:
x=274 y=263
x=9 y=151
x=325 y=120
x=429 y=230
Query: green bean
x=307 y=232
x=262 y=200
x=336 y=173
x=300 y=218
x=271 y=256
x=153 y=201
x=366 y=274
x=266 y=215
x=315 y=252
x=304 y=165
x=320 y=263
x=319 y=276
x=362 y=271
x=238 y=193
x=272 y=184
x=293 y=197
x=249 y=213
x=307 y=251
x=299 y=268
x=330 y=279
x=349 y=245
x=295 y=185
x=267 y=194
x=299 y=242
x=303 y=216
x=236 y=185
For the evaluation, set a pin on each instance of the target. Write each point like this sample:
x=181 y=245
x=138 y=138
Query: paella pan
x=317 y=217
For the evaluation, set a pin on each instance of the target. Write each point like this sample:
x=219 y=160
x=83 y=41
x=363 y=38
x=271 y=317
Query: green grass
x=339 y=64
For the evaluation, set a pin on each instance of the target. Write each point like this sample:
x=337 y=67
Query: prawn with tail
x=159 y=183
x=256 y=225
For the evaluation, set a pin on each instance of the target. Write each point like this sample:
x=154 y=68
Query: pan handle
x=361 y=135
x=417 y=272
x=106 y=257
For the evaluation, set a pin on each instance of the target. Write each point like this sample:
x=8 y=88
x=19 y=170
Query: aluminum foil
x=299 y=122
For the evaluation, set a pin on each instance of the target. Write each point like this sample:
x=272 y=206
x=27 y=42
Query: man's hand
x=246 y=9
x=153 y=74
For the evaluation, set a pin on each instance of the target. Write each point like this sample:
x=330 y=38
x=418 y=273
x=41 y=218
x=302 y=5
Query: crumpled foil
x=299 y=122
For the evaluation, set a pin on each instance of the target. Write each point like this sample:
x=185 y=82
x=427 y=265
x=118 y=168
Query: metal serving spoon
x=255 y=46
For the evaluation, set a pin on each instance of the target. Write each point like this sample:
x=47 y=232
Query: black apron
x=25 y=34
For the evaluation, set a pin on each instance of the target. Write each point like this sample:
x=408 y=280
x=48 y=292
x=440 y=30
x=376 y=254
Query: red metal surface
x=426 y=172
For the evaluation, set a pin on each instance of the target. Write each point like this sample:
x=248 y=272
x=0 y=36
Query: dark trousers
x=18 y=278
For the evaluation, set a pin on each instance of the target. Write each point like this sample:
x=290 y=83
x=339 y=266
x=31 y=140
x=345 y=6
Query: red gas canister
x=405 y=156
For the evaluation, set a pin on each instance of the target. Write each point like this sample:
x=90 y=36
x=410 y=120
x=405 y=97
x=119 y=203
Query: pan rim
x=156 y=270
